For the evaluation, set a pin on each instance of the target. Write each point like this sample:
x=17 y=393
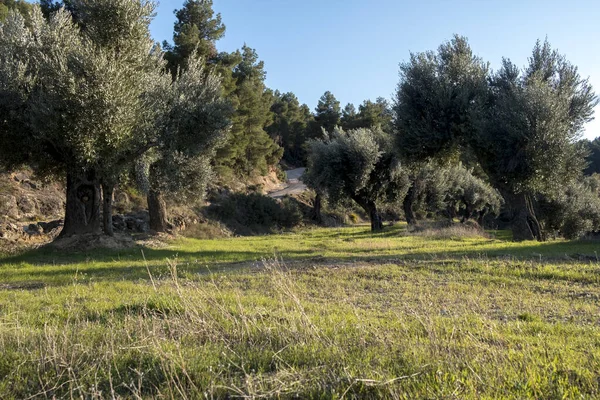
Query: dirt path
x=293 y=185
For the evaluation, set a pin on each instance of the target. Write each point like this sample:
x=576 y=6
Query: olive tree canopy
x=358 y=164
x=84 y=92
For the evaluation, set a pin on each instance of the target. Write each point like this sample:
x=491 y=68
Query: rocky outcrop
x=23 y=199
x=16 y=231
x=30 y=211
x=28 y=206
x=11 y=231
x=132 y=223
x=9 y=207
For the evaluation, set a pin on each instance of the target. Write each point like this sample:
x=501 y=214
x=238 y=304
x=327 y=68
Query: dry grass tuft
x=447 y=230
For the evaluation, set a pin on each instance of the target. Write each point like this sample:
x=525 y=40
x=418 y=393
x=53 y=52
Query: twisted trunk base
x=375 y=217
x=316 y=211
x=522 y=217
x=157 y=209
x=371 y=209
x=82 y=213
x=407 y=206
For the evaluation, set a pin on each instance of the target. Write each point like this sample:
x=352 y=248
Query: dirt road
x=293 y=184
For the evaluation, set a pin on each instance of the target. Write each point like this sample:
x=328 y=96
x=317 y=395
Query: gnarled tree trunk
x=157 y=208
x=407 y=206
x=107 y=202
x=82 y=213
x=532 y=221
x=468 y=211
x=481 y=218
x=316 y=211
x=375 y=217
x=522 y=217
x=371 y=209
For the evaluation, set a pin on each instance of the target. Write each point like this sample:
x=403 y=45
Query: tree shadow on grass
x=54 y=268
x=438 y=264
x=550 y=252
x=46 y=256
x=48 y=268
x=355 y=232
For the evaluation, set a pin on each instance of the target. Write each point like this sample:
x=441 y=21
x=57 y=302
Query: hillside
x=323 y=313
x=32 y=210
x=29 y=208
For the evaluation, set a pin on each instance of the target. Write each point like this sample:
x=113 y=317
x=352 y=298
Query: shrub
x=280 y=173
x=339 y=213
x=253 y=213
x=575 y=212
x=445 y=230
x=454 y=192
x=353 y=218
x=290 y=214
x=206 y=230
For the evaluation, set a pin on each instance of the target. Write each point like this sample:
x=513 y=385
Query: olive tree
x=359 y=165
x=192 y=122
x=468 y=196
x=436 y=100
x=84 y=93
x=80 y=93
x=522 y=126
x=434 y=110
x=528 y=137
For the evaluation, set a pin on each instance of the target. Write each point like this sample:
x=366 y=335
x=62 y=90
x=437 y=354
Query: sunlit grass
x=342 y=314
x=350 y=244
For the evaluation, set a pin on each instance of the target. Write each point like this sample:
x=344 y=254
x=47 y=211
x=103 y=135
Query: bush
x=342 y=212
x=281 y=175
x=253 y=213
x=575 y=212
x=290 y=214
x=354 y=218
x=452 y=192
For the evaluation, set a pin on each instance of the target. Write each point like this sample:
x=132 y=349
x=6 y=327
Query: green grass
x=351 y=244
x=343 y=313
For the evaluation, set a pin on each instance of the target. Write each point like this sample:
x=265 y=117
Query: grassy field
x=323 y=313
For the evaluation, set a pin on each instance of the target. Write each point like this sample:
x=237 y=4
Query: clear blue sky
x=352 y=48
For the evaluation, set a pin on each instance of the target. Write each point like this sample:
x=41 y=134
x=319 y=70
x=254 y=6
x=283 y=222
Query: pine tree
x=327 y=115
x=196 y=30
x=249 y=149
x=349 y=117
x=289 y=126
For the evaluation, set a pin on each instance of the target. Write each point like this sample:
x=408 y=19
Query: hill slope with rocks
x=29 y=208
